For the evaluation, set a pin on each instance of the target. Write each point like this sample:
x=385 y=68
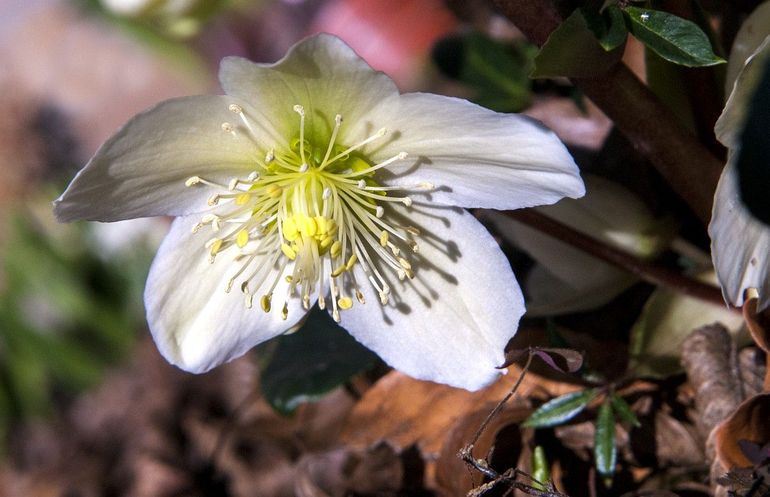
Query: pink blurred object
x=394 y=36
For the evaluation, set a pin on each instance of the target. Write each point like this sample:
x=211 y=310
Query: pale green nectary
x=313 y=181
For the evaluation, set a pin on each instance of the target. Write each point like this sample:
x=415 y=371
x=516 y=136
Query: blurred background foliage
x=71 y=295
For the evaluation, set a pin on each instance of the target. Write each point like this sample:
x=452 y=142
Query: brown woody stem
x=649 y=272
x=686 y=165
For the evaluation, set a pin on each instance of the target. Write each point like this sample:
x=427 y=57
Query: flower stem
x=690 y=169
x=649 y=272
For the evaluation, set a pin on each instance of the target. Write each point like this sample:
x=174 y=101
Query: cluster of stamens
x=308 y=215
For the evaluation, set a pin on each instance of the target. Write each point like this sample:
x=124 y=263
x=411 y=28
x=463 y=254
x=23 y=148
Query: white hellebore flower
x=314 y=180
x=740 y=243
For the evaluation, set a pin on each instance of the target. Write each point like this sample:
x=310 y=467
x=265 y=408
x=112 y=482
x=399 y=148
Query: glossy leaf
x=561 y=409
x=623 y=411
x=311 y=362
x=608 y=26
x=605 y=452
x=572 y=50
x=675 y=39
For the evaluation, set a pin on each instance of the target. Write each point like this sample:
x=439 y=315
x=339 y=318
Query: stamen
x=266 y=302
x=228 y=128
x=321 y=224
x=387 y=162
x=379 y=134
x=301 y=111
x=337 y=124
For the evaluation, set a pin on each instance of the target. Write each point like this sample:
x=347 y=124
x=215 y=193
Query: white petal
x=321 y=73
x=566 y=279
x=749 y=37
x=452 y=322
x=730 y=122
x=195 y=323
x=141 y=171
x=475 y=157
x=739 y=243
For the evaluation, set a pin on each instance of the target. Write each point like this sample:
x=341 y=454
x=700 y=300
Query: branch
x=649 y=272
x=672 y=149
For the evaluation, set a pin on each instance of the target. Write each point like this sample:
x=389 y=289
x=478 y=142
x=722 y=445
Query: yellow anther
x=321 y=302
x=322 y=225
x=235 y=108
x=213 y=200
x=274 y=191
x=216 y=244
x=384 y=238
x=331 y=226
x=266 y=302
x=351 y=262
x=288 y=251
x=192 y=180
x=306 y=302
x=308 y=227
x=404 y=263
x=285 y=311
x=242 y=238
x=336 y=249
x=289 y=278
x=345 y=303
x=338 y=271
x=242 y=199
x=360 y=296
x=289 y=229
x=326 y=241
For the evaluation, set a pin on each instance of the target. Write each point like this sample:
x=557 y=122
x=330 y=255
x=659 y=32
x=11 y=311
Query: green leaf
x=608 y=26
x=541 y=470
x=605 y=453
x=673 y=38
x=311 y=362
x=561 y=409
x=572 y=50
x=623 y=410
x=496 y=72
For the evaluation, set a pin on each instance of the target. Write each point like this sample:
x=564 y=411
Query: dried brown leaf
x=453 y=476
x=402 y=411
x=751 y=422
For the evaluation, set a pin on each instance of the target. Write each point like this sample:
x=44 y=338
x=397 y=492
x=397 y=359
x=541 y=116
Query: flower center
x=313 y=212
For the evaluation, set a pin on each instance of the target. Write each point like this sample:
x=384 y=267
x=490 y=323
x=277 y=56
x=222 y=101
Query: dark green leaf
x=572 y=50
x=311 y=362
x=623 y=410
x=561 y=409
x=754 y=155
x=605 y=453
x=495 y=71
x=673 y=38
x=608 y=26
